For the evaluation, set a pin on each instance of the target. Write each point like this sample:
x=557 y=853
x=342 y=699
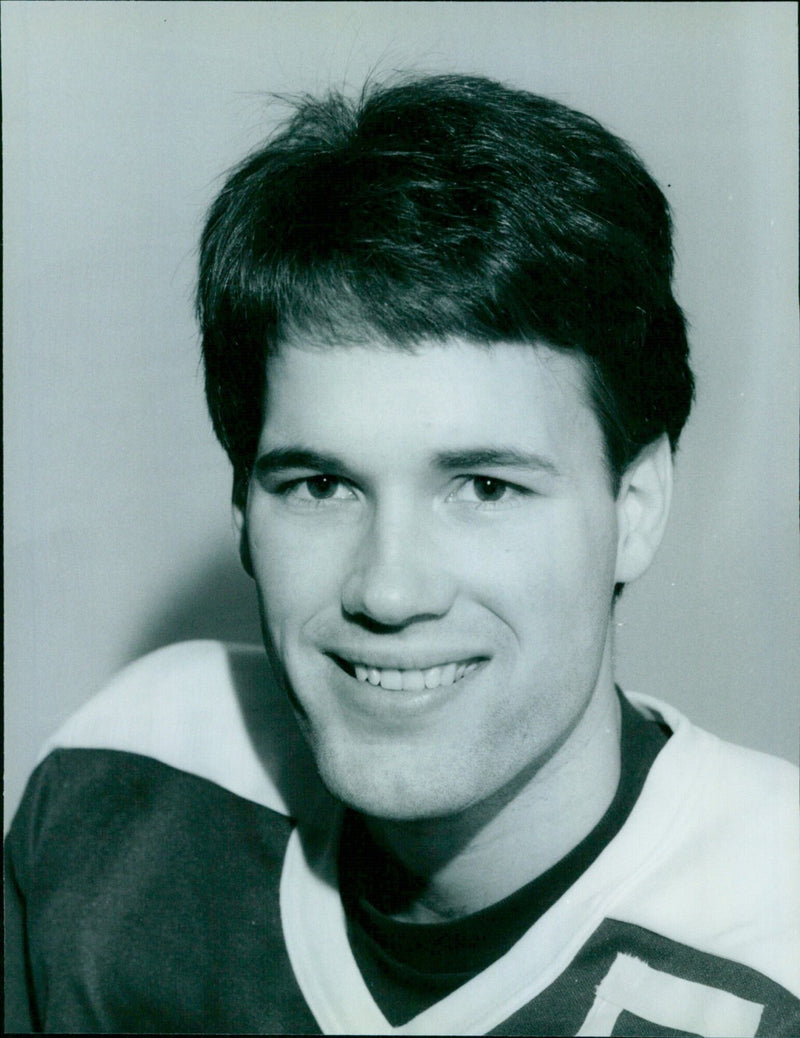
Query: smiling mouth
x=396 y=680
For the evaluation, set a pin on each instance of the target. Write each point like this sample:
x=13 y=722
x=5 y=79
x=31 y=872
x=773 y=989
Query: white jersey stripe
x=669 y=1001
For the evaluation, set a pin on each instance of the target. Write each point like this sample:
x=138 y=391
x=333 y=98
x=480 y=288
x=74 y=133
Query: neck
x=467 y=862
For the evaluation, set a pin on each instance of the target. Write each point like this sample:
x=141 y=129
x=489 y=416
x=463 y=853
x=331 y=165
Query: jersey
x=173 y=868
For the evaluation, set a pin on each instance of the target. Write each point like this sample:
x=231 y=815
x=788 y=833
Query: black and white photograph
x=402 y=585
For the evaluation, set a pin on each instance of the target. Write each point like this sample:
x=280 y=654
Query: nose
x=396 y=575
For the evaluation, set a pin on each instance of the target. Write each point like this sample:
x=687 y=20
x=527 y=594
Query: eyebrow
x=296 y=457
x=279 y=458
x=494 y=457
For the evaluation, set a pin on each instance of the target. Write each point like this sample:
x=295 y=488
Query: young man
x=443 y=354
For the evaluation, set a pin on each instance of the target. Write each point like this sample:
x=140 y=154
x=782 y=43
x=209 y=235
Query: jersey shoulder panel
x=210 y=709
x=726 y=876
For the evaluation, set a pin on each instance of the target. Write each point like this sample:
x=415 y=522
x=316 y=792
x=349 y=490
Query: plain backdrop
x=119 y=121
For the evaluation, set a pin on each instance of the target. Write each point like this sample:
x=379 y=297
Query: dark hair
x=438 y=207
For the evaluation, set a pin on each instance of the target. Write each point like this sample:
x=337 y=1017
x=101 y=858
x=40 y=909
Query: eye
x=486 y=490
x=318 y=488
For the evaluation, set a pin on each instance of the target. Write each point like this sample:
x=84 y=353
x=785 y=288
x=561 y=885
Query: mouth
x=409 y=680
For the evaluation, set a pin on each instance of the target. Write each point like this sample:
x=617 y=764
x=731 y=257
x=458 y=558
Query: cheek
x=550 y=576
x=296 y=574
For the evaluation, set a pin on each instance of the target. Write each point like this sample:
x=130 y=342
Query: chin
x=401 y=790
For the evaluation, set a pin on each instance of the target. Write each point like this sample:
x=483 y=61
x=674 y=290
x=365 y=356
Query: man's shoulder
x=733 y=777
x=209 y=709
x=722 y=802
x=723 y=827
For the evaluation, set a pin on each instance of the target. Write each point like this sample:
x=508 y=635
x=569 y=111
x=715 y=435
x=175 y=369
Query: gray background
x=118 y=122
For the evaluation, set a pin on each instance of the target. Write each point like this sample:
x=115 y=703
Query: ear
x=642 y=509
x=239 y=507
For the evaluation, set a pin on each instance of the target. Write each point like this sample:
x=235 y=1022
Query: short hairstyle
x=439 y=207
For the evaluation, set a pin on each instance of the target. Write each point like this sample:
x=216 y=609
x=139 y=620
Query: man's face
x=434 y=541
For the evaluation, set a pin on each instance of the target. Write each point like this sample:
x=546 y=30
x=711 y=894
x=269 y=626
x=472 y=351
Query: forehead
x=438 y=396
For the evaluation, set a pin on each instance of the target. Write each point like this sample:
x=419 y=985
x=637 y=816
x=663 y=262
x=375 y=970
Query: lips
x=409 y=679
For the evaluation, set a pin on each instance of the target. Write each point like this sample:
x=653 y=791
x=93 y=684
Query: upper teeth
x=414 y=680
